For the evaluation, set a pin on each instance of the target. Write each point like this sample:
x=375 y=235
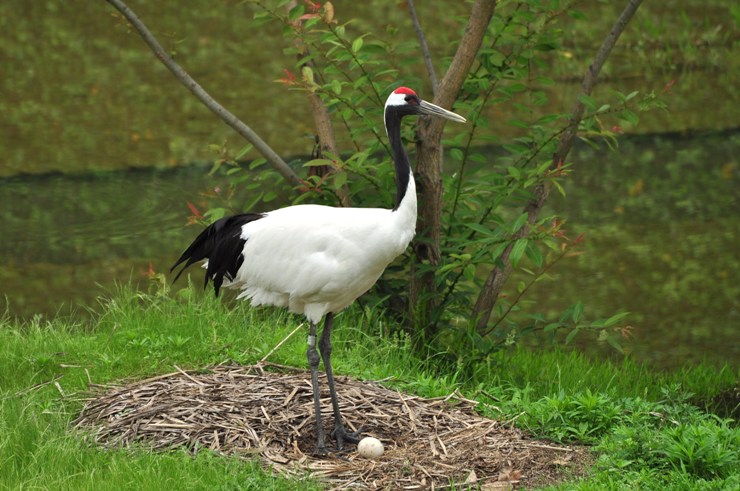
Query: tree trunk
x=422 y=290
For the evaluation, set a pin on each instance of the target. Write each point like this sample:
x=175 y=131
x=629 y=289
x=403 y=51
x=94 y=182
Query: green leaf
x=480 y=229
x=518 y=251
x=244 y=150
x=257 y=162
x=572 y=334
x=588 y=101
x=517 y=87
x=552 y=326
x=260 y=18
x=462 y=257
x=296 y=13
x=519 y=223
x=496 y=253
x=576 y=14
x=615 y=344
x=516 y=148
x=449 y=267
x=566 y=314
x=519 y=123
x=630 y=117
x=534 y=254
x=318 y=163
x=249 y=205
x=215 y=213
x=611 y=321
x=357 y=45
x=559 y=187
x=548 y=119
x=577 y=312
x=336 y=86
x=340 y=179
x=216 y=166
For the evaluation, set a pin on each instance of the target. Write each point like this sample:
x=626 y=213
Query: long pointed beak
x=428 y=108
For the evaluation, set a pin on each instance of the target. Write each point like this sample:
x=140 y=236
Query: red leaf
x=312 y=6
x=195 y=211
x=149 y=273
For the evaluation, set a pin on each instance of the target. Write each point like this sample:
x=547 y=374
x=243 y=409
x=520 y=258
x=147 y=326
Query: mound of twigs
x=248 y=410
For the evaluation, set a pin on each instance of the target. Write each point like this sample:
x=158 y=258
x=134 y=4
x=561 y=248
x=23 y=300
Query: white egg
x=370 y=448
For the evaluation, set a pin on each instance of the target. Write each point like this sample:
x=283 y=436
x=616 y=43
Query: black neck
x=400 y=159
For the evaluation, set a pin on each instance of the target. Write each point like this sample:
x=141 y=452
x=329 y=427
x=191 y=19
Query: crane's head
x=404 y=102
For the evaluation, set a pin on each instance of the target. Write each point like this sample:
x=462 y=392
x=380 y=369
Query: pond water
x=662 y=241
x=660 y=219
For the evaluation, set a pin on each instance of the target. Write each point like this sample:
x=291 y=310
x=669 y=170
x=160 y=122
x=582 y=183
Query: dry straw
x=266 y=410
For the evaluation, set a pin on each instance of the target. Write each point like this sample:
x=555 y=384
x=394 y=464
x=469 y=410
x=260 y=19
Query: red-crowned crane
x=316 y=260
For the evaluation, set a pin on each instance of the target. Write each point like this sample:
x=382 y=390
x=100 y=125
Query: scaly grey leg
x=339 y=433
x=313 y=363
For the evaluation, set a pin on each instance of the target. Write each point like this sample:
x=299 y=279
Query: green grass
x=645 y=432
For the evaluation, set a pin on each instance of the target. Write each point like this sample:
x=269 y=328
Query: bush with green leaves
x=704 y=447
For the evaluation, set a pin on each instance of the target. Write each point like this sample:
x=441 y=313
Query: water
x=68 y=239
x=662 y=241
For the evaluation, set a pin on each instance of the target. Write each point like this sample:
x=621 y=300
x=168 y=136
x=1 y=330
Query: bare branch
x=226 y=116
x=424 y=47
x=498 y=276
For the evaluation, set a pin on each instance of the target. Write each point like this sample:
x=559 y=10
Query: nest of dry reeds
x=267 y=411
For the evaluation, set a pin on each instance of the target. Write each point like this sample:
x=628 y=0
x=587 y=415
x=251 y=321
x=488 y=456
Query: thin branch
x=513 y=304
x=498 y=275
x=227 y=117
x=424 y=47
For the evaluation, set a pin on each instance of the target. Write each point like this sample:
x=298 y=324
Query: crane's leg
x=339 y=433
x=313 y=363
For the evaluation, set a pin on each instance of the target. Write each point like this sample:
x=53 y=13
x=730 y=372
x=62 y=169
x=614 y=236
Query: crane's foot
x=342 y=436
x=321 y=451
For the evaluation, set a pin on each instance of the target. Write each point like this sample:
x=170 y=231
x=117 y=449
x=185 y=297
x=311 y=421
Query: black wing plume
x=222 y=245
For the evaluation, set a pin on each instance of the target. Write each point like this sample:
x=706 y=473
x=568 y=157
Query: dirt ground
x=267 y=411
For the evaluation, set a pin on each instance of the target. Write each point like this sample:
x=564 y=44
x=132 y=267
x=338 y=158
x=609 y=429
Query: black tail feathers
x=222 y=245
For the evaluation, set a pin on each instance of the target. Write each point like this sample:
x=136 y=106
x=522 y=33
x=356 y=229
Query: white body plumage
x=316 y=259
